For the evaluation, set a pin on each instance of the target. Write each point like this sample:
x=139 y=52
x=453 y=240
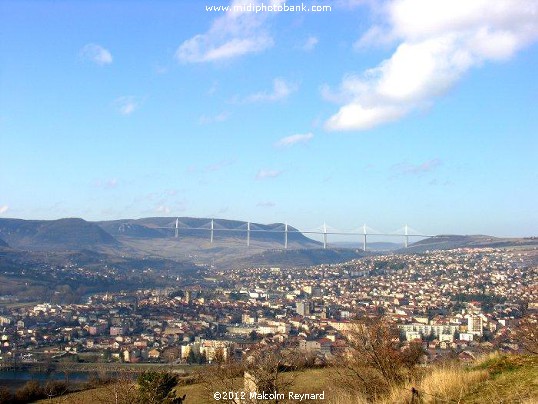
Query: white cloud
x=438 y=42
x=310 y=43
x=294 y=139
x=231 y=35
x=281 y=90
x=96 y=54
x=355 y=116
x=376 y=35
x=126 y=105
x=3 y=209
x=264 y=174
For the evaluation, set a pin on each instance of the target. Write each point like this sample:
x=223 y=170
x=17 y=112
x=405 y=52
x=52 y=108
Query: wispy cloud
x=265 y=174
x=234 y=34
x=96 y=54
x=220 y=165
x=107 y=184
x=163 y=209
x=208 y=119
x=3 y=209
x=126 y=105
x=406 y=168
x=310 y=43
x=160 y=69
x=213 y=89
x=294 y=139
x=281 y=90
x=438 y=42
x=349 y=4
x=266 y=204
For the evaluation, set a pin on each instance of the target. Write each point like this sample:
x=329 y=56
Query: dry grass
x=342 y=397
x=492 y=379
x=513 y=379
x=439 y=384
x=450 y=383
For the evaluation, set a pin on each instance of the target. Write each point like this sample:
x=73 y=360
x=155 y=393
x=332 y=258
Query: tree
x=220 y=356
x=527 y=334
x=156 y=387
x=55 y=388
x=222 y=377
x=269 y=369
x=191 y=357
x=374 y=359
x=266 y=369
x=117 y=389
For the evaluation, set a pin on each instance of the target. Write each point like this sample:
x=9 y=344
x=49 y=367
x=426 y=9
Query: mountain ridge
x=453 y=241
x=60 y=234
x=155 y=237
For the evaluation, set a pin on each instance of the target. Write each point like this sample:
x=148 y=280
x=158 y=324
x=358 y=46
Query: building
x=302 y=308
x=475 y=325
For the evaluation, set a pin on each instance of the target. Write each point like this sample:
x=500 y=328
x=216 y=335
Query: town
x=461 y=302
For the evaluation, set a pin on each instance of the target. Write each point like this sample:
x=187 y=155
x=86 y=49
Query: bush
x=98 y=380
x=5 y=396
x=55 y=388
x=31 y=391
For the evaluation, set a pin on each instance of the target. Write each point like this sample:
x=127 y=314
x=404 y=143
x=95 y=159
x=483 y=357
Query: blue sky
x=378 y=112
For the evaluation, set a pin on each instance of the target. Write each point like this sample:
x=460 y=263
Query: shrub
x=55 y=388
x=5 y=396
x=31 y=391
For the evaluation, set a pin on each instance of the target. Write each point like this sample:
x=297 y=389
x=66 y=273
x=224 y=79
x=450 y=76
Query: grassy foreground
x=493 y=379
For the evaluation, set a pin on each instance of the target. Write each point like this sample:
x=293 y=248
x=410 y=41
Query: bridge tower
x=248 y=234
x=177 y=228
x=286 y=235
x=364 y=239
x=212 y=229
x=324 y=236
x=406 y=231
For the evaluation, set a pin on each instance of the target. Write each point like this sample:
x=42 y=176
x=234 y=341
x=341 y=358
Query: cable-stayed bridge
x=213 y=227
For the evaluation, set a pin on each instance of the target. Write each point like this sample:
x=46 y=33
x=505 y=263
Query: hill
x=61 y=234
x=299 y=257
x=371 y=246
x=449 y=242
x=200 y=228
x=155 y=236
x=497 y=378
x=3 y=244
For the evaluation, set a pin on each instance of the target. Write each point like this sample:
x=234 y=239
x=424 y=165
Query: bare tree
x=267 y=369
x=527 y=334
x=374 y=360
x=271 y=369
x=55 y=389
x=120 y=388
x=222 y=377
